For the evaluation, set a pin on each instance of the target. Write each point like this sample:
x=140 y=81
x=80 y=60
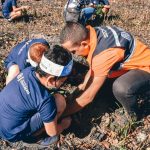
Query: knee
x=60 y=103
x=119 y=89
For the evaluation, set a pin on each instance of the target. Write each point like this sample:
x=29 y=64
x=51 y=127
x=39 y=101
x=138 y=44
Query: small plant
x=99 y=10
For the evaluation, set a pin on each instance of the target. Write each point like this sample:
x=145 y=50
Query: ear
x=84 y=43
x=50 y=81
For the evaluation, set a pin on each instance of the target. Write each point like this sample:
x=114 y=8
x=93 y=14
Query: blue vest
x=112 y=37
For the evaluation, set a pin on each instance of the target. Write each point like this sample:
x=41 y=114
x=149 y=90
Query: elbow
x=51 y=134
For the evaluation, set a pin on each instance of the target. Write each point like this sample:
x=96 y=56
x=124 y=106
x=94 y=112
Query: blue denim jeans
x=35 y=132
x=6 y=15
x=86 y=14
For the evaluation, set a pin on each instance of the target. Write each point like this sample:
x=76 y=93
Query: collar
x=93 y=43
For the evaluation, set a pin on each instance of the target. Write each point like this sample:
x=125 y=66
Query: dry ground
x=98 y=125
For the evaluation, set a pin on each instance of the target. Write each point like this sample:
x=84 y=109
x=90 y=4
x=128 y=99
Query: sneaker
x=43 y=143
x=48 y=140
x=9 y=20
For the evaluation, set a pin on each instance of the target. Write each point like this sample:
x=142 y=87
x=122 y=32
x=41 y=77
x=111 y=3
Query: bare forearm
x=20 y=8
x=17 y=9
x=86 y=98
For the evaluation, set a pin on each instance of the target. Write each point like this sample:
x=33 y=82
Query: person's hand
x=72 y=96
x=66 y=122
x=81 y=86
x=25 y=7
x=106 y=9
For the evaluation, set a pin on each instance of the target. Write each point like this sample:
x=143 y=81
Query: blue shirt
x=19 y=53
x=20 y=100
x=7 y=6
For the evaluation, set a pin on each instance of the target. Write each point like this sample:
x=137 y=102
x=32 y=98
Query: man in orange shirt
x=111 y=52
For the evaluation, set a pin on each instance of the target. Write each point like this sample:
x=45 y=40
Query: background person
x=10 y=10
x=81 y=11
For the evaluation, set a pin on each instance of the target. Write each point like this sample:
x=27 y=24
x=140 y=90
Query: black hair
x=58 y=55
x=74 y=32
x=2 y=1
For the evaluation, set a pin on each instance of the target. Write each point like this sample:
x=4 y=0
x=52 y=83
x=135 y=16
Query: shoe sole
x=37 y=145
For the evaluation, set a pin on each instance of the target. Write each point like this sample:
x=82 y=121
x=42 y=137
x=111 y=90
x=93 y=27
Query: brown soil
x=101 y=125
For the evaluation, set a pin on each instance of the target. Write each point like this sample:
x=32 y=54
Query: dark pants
x=131 y=87
x=34 y=131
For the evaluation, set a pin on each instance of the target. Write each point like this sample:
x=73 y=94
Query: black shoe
x=43 y=143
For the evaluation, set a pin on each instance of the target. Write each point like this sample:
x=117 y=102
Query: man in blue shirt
x=11 y=11
x=27 y=107
x=25 y=54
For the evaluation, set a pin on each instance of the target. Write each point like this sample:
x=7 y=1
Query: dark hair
x=58 y=55
x=2 y=1
x=74 y=32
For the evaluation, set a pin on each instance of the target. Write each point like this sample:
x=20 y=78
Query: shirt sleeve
x=48 y=110
x=9 y=61
x=11 y=58
x=103 y=62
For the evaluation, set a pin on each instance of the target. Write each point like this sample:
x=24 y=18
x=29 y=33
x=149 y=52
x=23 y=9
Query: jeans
x=35 y=125
x=129 y=87
x=36 y=133
x=86 y=14
x=6 y=15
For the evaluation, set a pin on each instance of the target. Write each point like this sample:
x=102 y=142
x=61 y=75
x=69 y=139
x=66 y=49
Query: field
x=102 y=125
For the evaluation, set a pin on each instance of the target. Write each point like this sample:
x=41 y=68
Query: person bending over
x=111 y=53
x=82 y=10
x=25 y=54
